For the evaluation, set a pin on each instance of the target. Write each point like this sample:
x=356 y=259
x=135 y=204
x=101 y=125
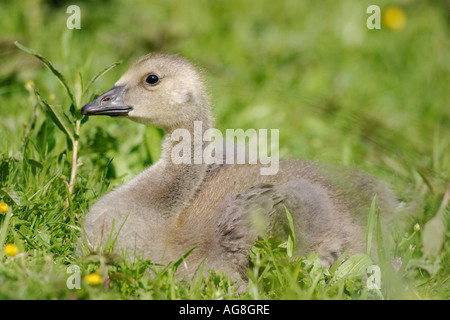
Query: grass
x=339 y=92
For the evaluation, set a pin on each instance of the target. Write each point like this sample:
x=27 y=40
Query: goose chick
x=170 y=208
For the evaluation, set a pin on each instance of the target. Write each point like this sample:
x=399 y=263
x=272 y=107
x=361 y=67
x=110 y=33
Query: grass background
x=339 y=93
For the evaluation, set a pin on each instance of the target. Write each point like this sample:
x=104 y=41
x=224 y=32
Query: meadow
x=340 y=93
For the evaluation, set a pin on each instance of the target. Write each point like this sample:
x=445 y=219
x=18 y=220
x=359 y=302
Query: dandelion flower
x=3 y=207
x=416 y=227
x=11 y=250
x=394 y=18
x=93 y=279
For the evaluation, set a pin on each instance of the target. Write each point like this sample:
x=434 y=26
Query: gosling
x=220 y=210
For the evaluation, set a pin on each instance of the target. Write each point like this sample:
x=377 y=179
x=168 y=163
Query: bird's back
x=236 y=204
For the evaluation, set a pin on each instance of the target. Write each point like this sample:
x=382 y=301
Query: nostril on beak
x=109 y=103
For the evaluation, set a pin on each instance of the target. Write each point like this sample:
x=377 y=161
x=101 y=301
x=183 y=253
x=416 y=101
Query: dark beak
x=109 y=103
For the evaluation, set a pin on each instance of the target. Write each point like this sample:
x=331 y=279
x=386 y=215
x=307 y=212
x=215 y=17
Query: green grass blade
x=339 y=261
x=112 y=239
x=380 y=245
x=98 y=75
x=179 y=261
x=9 y=192
x=4 y=229
x=109 y=245
x=355 y=265
x=59 y=117
x=290 y=248
x=370 y=225
x=50 y=66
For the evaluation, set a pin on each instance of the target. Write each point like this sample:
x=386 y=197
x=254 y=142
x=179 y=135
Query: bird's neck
x=180 y=170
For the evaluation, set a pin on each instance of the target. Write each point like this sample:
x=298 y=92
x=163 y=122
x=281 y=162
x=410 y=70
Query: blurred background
x=338 y=91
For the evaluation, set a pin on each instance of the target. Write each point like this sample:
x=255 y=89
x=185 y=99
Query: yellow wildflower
x=394 y=18
x=29 y=85
x=11 y=250
x=93 y=278
x=416 y=227
x=3 y=207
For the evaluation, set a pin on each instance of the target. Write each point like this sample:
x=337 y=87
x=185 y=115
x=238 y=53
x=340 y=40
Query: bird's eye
x=152 y=79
